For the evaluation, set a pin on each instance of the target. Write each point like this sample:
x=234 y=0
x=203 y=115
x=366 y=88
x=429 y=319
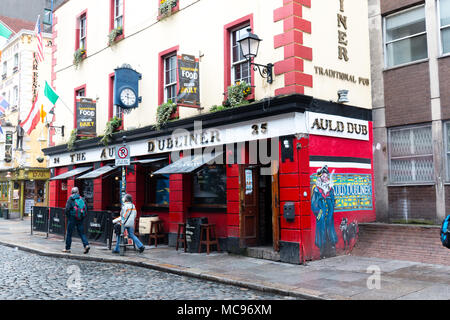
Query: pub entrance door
x=249 y=206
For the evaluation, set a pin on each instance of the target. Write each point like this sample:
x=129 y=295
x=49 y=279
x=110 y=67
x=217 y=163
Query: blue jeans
x=136 y=240
x=71 y=224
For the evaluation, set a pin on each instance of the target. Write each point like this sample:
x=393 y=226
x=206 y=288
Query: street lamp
x=249 y=44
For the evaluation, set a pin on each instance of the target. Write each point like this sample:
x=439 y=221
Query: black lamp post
x=249 y=44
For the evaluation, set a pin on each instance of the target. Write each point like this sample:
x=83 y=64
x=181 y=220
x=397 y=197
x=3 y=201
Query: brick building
x=410 y=62
x=313 y=116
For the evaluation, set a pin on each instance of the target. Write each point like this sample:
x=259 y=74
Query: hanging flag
x=33 y=118
x=44 y=103
x=48 y=100
x=5 y=32
x=1 y=130
x=40 y=46
x=3 y=105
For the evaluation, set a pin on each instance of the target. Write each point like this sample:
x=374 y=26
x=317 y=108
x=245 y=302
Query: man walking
x=76 y=210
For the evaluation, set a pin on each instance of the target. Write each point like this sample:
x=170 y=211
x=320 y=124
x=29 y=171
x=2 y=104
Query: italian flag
x=45 y=101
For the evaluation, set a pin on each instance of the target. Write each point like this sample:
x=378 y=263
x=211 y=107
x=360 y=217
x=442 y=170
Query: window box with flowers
x=167 y=7
x=79 y=56
x=115 y=35
x=238 y=94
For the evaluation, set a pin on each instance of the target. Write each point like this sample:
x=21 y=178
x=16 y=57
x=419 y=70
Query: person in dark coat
x=73 y=222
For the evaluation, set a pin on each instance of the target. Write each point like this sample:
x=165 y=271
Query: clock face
x=128 y=97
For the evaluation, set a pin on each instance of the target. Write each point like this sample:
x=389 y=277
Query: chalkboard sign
x=193 y=233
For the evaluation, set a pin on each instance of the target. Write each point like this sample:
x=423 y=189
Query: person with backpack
x=127 y=219
x=76 y=211
x=445 y=232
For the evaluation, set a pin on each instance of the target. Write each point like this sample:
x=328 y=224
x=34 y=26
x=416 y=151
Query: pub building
x=281 y=174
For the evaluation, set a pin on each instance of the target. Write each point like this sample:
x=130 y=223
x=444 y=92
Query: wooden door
x=275 y=209
x=248 y=218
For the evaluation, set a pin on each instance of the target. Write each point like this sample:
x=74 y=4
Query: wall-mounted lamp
x=343 y=96
x=8 y=175
x=249 y=44
x=56 y=127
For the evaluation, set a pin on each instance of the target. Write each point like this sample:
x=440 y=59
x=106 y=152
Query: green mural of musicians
x=322 y=205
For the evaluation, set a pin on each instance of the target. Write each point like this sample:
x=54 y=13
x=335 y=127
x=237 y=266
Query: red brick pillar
x=233 y=206
x=180 y=200
x=53 y=193
x=98 y=194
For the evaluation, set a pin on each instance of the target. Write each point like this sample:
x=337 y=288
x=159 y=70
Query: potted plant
x=114 y=34
x=79 y=56
x=111 y=127
x=164 y=113
x=165 y=7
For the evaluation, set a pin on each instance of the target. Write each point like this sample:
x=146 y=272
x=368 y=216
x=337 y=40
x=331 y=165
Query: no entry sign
x=122 y=156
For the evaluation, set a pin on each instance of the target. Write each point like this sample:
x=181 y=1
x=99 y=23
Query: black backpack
x=445 y=232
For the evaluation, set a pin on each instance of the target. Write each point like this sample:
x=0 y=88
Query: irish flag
x=5 y=33
x=45 y=101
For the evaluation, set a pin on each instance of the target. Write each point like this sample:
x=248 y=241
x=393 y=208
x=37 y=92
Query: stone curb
x=166 y=268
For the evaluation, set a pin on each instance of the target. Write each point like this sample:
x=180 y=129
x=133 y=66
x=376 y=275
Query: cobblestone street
x=29 y=276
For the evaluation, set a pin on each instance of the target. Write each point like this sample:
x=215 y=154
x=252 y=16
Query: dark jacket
x=70 y=205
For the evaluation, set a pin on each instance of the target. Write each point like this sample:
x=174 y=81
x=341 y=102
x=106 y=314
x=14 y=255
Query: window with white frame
x=170 y=78
x=447 y=149
x=240 y=67
x=444 y=23
x=16 y=60
x=411 y=155
x=405 y=36
x=118 y=13
x=5 y=68
x=82 y=43
x=15 y=95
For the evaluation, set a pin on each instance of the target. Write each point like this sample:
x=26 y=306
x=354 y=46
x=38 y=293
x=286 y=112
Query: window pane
x=405 y=24
x=444 y=8
x=210 y=185
x=411 y=157
x=407 y=50
x=445 y=33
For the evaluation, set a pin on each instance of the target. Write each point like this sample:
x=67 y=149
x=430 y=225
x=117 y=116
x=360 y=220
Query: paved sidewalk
x=343 y=277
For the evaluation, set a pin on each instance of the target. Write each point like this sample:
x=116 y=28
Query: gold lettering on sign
x=341 y=76
x=339 y=126
x=342 y=34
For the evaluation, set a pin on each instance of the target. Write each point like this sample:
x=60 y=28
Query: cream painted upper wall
x=323 y=15
x=198 y=28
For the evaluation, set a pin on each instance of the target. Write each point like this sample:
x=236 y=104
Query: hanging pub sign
x=189 y=80
x=86 y=117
